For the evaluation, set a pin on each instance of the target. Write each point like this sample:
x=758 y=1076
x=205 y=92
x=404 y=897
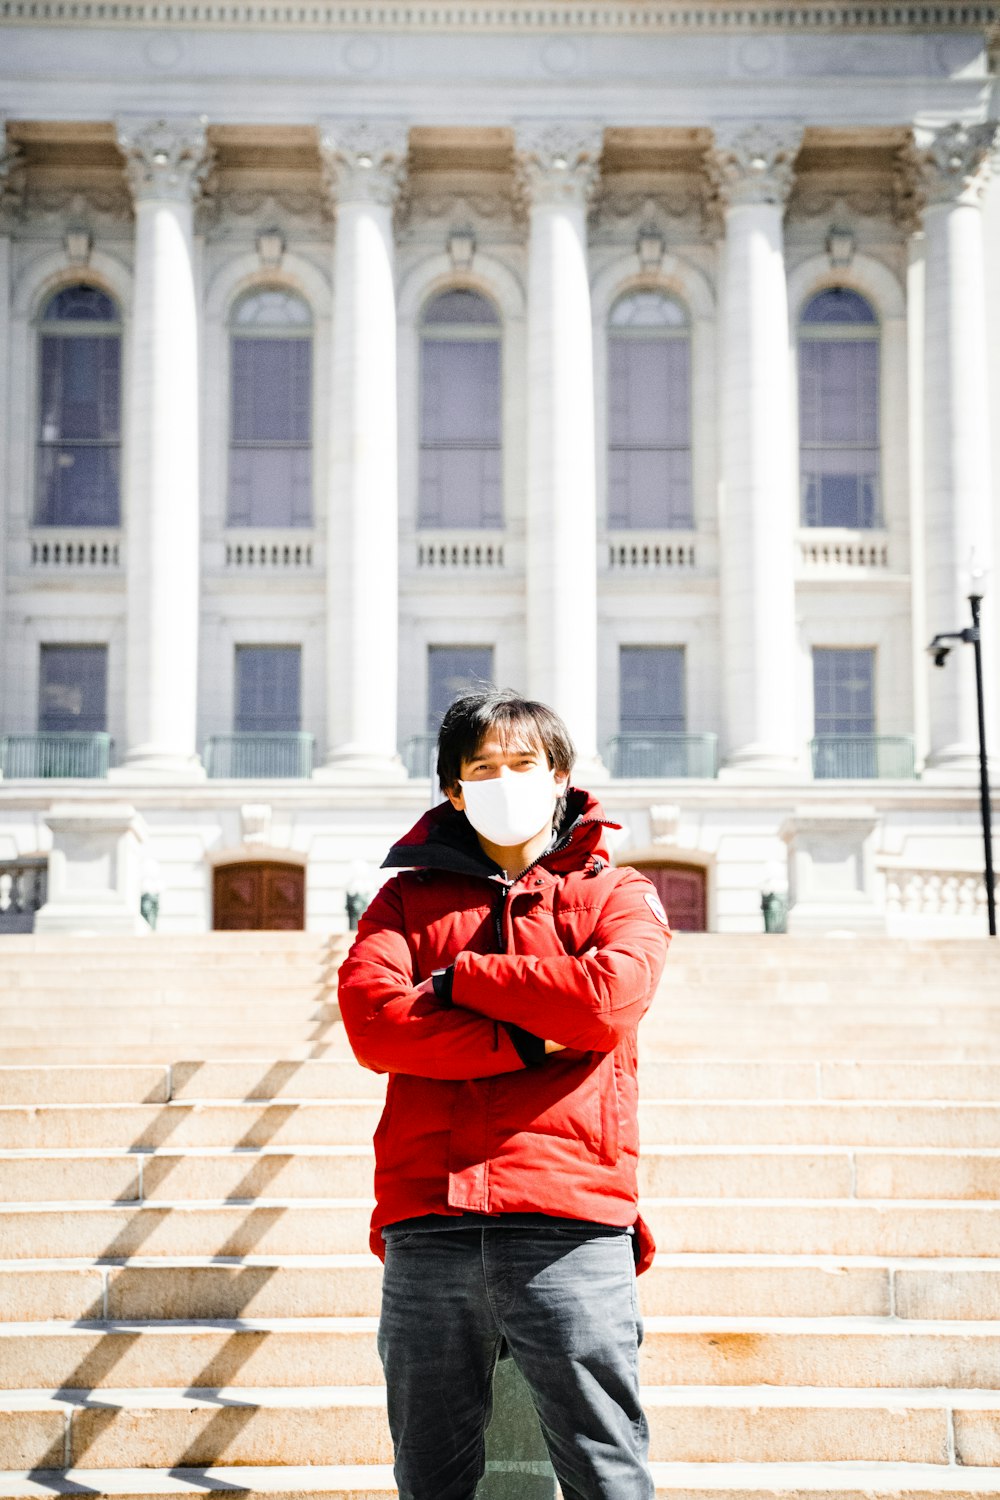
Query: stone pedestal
x=95 y=870
x=831 y=870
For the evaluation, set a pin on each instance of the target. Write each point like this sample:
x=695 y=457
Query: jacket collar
x=444 y=839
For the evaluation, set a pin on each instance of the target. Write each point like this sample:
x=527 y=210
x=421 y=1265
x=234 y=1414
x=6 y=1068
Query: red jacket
x=571 y=951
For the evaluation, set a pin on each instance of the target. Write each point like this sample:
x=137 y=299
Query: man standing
x=499 y=981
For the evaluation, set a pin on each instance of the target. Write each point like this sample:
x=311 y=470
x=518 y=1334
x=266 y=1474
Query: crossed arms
x=397 y=1024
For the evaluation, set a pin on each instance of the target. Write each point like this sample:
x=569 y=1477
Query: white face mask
x=511 y=808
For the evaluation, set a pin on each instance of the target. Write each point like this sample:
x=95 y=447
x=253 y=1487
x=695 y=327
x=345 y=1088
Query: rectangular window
x=460 y=480
x=73 y=689
x=452 y=670
x=838 y=430
x=270 y=456
x=844 y=690
x=78 y=448
x=268 y=689
x=649 y=454
x=651 y=690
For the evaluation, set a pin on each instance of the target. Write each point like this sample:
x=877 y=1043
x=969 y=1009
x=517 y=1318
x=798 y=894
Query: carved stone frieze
x=364 y=160
x=950 y=164
x=437 y=210
x=228 y=213
x=618 y=216
x=753 y=163
x=557 y=161
x=165 y=158
x=99 y=209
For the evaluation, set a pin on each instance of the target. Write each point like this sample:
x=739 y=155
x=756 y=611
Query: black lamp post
x=973 y=634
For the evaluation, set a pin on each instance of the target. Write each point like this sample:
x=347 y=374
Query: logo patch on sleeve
x=656 y=907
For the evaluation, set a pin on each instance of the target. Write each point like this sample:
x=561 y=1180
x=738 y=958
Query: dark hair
x=514 y=719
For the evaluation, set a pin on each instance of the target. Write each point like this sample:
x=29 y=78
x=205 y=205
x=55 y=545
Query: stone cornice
x=951 y=163
x=364 y=160
x=164 y=158
x=753 y=162
x=557 y=161
x=507 y=16
x=10 y=174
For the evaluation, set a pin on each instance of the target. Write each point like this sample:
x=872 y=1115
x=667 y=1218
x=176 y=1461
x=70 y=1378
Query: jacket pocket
x=610 y=1112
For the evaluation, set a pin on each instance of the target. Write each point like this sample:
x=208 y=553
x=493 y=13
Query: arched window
x=460 y=452
x=270 y=432
x=839 y=410
x=649 y=413
x=79 y=427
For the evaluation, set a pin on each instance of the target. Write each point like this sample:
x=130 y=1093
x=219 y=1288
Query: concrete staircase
x=189 y=1305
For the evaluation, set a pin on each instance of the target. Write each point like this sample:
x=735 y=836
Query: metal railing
x=851 y=757
x=258 y=756
x=27 y=756
x=663 y=754
x=23 y=890
x=420 y=755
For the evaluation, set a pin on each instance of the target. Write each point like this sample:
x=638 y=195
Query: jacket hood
x=444 y=839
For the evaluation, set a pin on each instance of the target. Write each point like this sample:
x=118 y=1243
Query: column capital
x=557 y=161
x=753 y=161
x=951 y=163
x=165 y=158
x=364 y=160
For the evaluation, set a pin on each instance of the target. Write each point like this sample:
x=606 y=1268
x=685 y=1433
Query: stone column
x=558 y=172
x=167 y=161
x=751 y=167
x=9 y=157
x=365 y=164
x=951 y=166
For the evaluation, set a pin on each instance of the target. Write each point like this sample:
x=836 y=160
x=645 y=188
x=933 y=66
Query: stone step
x=869 y=1352
x=331 y=1226
x=348 y=1425
x=316 y=1172
x=339 y=1078
x=680 y=1481
x=954 y=1124
x=878 y=1045
x=350 y=1285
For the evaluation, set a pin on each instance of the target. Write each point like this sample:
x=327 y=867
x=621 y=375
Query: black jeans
x=564 y=1301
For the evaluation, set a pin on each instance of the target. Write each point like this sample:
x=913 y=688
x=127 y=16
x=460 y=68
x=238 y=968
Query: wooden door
x=682 y=889
x=258 y=895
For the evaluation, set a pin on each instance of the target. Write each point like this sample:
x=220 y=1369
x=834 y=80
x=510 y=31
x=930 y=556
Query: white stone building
x=641 y=357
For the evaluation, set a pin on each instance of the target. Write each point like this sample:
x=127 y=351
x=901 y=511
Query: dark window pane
x=452 y=670
x=78 y=486
x=844 y=690
x=650 y=387
x=77 y=480
x=81 y=395
x=649 y=488
x=73 y=689
x=460 y=306
x=460 y=478
x=268 y=689
x=840 y=487
x=271 y=390
x=460 y=392
x=81 y=304
x=838 y=305
x=270 y=487
x=838 y=391
x=651 y=689
x=270 y=455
